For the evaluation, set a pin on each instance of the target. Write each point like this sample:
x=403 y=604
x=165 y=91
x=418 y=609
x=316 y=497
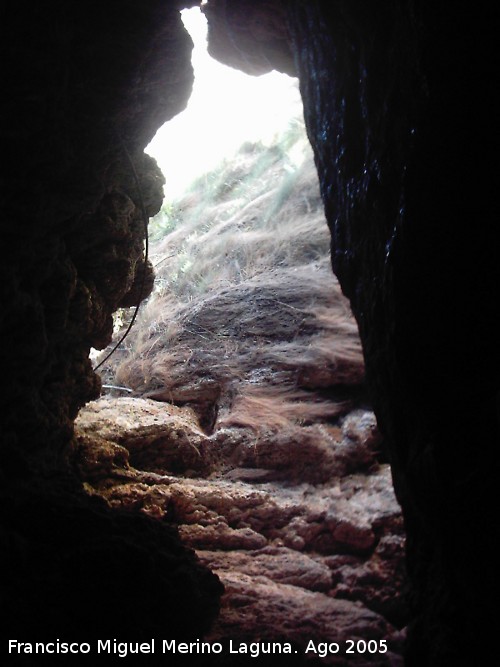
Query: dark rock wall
x=397 y=99
x=86 y=86
x=393 y=106
x=86 y=89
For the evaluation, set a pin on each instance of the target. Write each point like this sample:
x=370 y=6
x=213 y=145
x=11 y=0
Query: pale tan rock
x=221 y=536
x=158 y=436
x=308 y=541
x=274 y=562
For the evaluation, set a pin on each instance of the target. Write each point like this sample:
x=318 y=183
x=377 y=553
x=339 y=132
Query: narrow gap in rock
x=236 y=407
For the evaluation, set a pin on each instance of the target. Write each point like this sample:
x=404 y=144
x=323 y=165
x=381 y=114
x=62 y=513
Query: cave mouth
x=245 y=315
x=226 y=108
x=236 y=407
x=397 y=104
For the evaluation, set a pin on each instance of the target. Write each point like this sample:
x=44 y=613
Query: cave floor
x=306 y=536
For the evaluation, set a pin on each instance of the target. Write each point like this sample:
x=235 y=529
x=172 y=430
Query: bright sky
x=226 y=109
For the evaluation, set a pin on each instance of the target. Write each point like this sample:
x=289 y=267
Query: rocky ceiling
x=397 y=99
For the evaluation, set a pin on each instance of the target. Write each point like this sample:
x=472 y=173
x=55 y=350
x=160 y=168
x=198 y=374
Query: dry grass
x=247 y=319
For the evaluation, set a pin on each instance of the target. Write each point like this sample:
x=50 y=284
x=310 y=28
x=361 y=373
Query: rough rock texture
x=396 y=99
x=302 y=557
x=398 y=105
x=79 y=191
x=253 y=36
x=86 y=87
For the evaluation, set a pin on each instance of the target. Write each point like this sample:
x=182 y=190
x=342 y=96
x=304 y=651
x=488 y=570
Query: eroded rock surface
x=397 y=108
x=88 y=86
x=303 y=556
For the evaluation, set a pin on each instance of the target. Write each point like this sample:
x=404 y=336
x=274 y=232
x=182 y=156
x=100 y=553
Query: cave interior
x=398 y=109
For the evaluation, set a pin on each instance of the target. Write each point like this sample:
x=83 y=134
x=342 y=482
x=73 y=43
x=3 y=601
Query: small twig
x=114 y=386
x=164 y=259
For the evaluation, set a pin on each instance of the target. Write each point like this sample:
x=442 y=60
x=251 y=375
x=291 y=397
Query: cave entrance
x=248 y=422
x=244 y=288
x=226 y=109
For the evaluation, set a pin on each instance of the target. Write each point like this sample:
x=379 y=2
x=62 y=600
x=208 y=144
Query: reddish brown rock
x=299 y=561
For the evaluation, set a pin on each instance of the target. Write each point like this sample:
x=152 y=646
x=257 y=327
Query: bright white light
x=226 y=109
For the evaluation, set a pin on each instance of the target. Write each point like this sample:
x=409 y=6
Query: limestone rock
x=294 y=614
x=299 y=560
x=277 y=563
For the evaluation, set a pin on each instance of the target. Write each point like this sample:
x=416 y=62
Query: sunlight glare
x=226 y=109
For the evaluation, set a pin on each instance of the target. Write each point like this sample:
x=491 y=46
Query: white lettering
x=13 y=645
x=103 y=646
x=172 y=646
x=169 y=645
x=47 y=647
x=231 y=650
x=124 y=648
x=254 y=649
x=323 y=648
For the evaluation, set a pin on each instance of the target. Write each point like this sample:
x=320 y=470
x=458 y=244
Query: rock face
x=302 y=557
x=400 y=135
x=397 y=104
x=88 y=86
x=80 y=192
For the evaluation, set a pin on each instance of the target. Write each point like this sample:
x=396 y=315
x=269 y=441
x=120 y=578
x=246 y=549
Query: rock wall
x=87 y=85
x=396 y=106
x=83 y=100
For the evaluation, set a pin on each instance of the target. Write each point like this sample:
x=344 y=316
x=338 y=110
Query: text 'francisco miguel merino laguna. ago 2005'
x=253 y=649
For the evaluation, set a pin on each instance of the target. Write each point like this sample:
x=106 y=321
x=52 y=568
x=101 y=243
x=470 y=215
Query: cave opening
x=236 y=407
x=397 y=102
x=241 y=204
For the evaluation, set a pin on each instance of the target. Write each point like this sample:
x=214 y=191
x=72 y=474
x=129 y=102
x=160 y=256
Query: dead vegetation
x=247 y=323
